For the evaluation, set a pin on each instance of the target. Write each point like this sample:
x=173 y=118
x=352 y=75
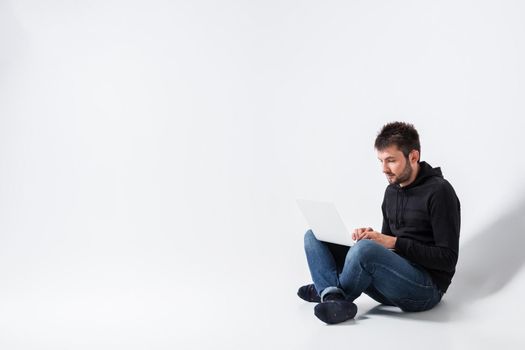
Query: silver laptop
x=325 y=222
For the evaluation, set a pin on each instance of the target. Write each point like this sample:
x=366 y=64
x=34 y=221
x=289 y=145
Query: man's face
x=396 y=167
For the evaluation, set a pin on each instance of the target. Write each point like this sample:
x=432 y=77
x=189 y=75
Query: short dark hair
x=401 y=134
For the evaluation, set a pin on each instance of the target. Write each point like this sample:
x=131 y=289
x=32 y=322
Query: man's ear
x=414 y=155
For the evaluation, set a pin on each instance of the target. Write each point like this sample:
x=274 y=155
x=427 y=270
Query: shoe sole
x=335 y=311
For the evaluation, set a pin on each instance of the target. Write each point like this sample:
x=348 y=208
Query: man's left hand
x=386 y=241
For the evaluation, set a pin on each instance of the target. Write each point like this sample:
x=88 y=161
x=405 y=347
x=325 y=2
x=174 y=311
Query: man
x=410 y=263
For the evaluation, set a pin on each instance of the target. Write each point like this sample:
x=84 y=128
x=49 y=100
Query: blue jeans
x=370 y=268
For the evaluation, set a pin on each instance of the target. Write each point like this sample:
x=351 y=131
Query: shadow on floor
x=487 y=263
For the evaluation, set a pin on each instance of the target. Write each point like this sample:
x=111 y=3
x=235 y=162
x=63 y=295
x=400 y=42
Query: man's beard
x=404 y=176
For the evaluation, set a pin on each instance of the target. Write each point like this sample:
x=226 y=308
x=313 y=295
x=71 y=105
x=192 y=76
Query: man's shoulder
x=431 y=187
x=438 y=182
x=440 y=188
x=442 y=184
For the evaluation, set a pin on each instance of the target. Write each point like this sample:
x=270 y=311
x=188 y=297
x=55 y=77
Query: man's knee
x=364 y=251
x=309 y=239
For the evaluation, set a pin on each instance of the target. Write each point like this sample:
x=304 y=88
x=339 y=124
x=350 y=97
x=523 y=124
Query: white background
x=151 y=154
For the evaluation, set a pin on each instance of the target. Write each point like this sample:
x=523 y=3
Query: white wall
x=157 y=148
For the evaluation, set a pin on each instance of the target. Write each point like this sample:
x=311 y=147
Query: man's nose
x=385 y=169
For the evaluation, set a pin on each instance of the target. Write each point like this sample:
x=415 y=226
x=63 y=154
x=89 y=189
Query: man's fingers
x=359 y=233
x=370 y=235
x=362 y=235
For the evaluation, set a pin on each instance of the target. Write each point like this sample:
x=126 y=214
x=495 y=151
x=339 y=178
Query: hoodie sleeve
x=385 y=229
x=444 y=209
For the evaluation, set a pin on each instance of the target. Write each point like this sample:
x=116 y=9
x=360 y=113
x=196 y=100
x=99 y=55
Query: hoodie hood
x=425 y=171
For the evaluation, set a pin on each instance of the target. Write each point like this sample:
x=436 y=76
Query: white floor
x=196 y=320
x=239 y=299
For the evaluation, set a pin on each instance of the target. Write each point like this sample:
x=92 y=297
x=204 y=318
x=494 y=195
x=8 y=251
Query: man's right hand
x=358 y=233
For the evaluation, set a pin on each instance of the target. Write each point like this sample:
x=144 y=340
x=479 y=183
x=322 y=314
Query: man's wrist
x=393 y=242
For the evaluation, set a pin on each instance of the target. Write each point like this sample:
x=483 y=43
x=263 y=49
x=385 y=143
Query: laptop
x=325 y=222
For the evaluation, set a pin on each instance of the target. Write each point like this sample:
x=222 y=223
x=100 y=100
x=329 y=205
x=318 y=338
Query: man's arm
x=385 y=229
x=432 y=257
x=444 y=208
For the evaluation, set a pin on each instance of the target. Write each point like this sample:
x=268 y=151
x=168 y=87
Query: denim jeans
x=370 y=268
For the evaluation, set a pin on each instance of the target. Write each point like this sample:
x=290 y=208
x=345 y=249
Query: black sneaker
x=335 y=310
x=309 y=293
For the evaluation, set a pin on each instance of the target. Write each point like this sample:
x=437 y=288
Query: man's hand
x=358 y=233
x=386 y=241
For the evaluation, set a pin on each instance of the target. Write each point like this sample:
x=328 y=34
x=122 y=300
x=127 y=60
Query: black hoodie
x=425 y=218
